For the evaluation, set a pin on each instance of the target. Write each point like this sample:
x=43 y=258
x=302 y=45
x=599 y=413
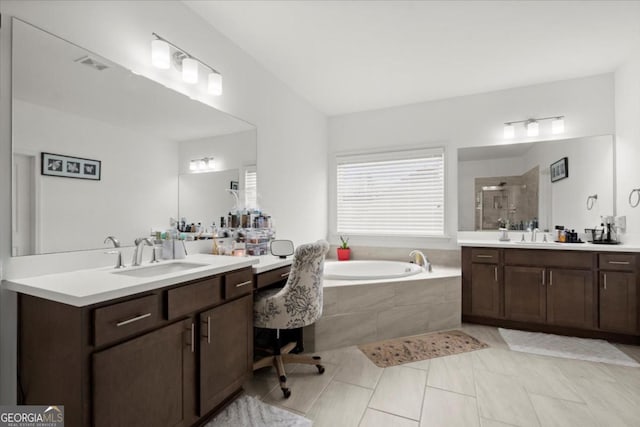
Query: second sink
x=157 y=270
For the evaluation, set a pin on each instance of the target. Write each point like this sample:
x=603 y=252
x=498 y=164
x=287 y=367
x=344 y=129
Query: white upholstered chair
x=297 y=304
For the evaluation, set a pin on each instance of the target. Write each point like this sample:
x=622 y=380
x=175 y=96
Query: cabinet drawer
x=548 y=258
x=121 y=320
x=485 y=256
x=238 y=283
x=193 y=297
x=274 y=276
x=619 y=262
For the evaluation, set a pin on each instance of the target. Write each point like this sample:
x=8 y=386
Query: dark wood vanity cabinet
x=147 y=380
x=572 y=292
x=524 y=294
x=167 y=357
x=226 y=351
x=484 y=284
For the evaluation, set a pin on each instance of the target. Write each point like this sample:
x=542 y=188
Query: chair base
x=282 y=357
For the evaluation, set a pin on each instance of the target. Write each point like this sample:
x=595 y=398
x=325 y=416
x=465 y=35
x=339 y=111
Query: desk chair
x=297 y=304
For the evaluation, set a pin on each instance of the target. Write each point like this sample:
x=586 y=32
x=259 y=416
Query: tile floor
x=490 y=388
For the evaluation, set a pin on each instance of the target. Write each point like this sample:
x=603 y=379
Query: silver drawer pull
x=193 y=338
x=285 y=274
x=484 y=256
x=620 y=262
x=133 y=319
x=495 y=272
x=208 y=329
x=605 y=281
x=248 y=282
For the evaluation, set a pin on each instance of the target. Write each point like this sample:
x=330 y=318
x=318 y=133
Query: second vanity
x=127 y=347
x=575 y=289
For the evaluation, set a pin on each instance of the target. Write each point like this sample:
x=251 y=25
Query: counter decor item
x=344 y=252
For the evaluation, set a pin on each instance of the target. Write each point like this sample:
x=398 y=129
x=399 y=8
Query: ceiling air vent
x=92 y=62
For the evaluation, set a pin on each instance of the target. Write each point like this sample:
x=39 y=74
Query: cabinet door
x=226 y=351
x=618 y=302
x=525 y=294
x=570 y=298
x=145 y=381
x=485 y=290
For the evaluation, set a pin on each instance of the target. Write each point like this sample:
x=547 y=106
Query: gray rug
x=567 y=347
x=247 y=411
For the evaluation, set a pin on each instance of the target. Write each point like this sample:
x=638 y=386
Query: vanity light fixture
x=201 y=165
x=509 y=131
x=557 y=125
x=161 y=56
x=532 y=126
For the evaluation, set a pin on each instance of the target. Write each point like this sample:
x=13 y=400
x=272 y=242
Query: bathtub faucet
x=420 y=259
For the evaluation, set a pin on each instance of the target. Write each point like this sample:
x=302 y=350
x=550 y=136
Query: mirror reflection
x=530 y=185
x=70 y=102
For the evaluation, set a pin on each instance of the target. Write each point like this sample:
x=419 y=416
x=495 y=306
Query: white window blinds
x=250 y=188
x=399 y=193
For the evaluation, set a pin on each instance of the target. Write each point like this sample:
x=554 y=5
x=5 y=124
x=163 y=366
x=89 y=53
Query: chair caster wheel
x=286 y=392
x=320 y=369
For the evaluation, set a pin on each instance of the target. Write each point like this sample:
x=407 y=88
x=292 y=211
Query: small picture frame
x=234 y=185
x=560 y=169
x=70 y=167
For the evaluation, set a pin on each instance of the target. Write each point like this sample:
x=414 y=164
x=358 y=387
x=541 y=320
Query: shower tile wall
x=516 y=200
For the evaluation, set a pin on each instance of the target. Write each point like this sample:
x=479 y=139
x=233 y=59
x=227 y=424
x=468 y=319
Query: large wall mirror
x=84 y=109
x=520 y=185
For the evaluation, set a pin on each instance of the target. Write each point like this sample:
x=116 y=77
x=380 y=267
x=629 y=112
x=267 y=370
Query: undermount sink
x=528 y=242
x=157 y=270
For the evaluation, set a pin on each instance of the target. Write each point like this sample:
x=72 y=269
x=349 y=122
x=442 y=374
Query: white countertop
x=270 y=262
x=85 y=287
x=516 y=243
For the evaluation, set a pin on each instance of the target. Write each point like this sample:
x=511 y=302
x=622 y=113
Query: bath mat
x=248 y=411
x=566 y=347
x=419 y=347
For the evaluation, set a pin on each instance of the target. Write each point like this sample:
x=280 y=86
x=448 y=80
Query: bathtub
x=366 y=301
x=369 y=270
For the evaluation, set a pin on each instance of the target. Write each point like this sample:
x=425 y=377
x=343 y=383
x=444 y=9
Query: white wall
x=292 y=135
x=591 y=171
x=475 y=120
x=137 y=189
x=627 y=102
x=468 y=171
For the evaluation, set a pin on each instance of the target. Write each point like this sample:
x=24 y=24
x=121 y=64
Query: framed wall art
x=70 y=167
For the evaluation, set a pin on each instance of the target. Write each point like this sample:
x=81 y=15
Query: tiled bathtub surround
x=357 y=313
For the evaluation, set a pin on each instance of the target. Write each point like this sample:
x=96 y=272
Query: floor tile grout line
x=424 y=392
x=451 y=391
x=475 y=387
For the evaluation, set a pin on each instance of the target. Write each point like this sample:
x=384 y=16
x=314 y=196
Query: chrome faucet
x=119 y=263
x=534 y=232
x=420 y=259
x=137 y=253
x=116 y=242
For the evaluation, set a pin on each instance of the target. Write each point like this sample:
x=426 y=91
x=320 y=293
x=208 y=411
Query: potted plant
x=344 y=252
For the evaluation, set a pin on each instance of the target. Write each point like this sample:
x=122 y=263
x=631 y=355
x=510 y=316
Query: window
x=250 y=188
x=397 y=194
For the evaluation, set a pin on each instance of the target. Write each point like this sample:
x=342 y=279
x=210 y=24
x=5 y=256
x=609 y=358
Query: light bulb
x=210 y=163
x=160 y=54
x=532 y=128
x=557 y=126
x=215 y=84
x=509 y=131
x=201 y=165
x=190 y=70
x=193 y=165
